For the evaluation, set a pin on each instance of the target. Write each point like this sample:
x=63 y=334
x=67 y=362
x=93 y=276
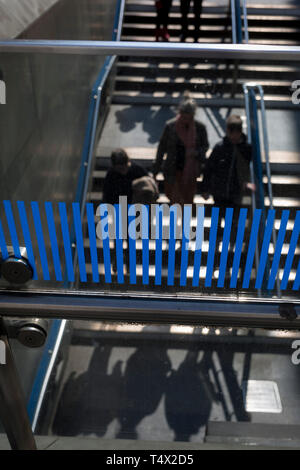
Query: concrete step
x=156 y=69
x=200 y=86
x=163 y=284
x=203 y=99
x=283 y=163
x=218 y=8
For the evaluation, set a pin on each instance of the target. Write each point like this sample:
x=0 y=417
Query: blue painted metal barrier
x=103 y=244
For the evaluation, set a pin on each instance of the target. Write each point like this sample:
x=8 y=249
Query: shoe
x=165 y=34
x=196 y=35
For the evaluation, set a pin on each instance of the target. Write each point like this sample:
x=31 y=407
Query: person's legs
x=184 y=9
x=197 y=19
x=159 y=18
x=165 y=19
x=166 y=10
x=162 y=19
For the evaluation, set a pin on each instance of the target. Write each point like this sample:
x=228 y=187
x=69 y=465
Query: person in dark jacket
x=184 y=8
x=227 y=170
x=227 y=175
x=118 y=181
x=184 y=143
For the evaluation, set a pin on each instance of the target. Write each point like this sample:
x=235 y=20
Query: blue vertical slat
x=66 y=240
x=158 y=246
x=239 y=29
x=291 y=253
x=145 y=243
x=296 y=284
x=27 y=238
x=79 y=241
x=3 y=245
x=119 y=245
x=172 y=245
x=198 y=245
x=132 y=244
x=238 y=248
x=212 y=246
x=106 y=249
x=225 y=246
x=53 y=241
x=92 y=240
x=278 y=249
x=12 y=228
x=251 y=248
x=40 y=239
x=187 y=214
x=265 y=249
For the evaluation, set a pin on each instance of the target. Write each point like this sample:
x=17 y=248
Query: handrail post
x=233 y=22
x=13 y=413
x=257 y=87
x=253 y=199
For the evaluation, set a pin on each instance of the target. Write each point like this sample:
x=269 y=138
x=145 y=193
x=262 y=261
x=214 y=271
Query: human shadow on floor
x=190 y=396
x=145 y=382
x=152 y=120
x=89 y=401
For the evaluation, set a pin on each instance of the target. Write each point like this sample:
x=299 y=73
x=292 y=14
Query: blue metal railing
x=238 y=35
x=58 y=327
x=252 y=91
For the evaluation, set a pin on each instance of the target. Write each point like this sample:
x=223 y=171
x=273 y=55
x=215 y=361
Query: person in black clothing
x=184 y=8
x=227 y=170
x=118 y=181
x=162 y=18
x=227 y=176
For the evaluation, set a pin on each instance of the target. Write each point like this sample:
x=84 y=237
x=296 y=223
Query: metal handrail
x=130 y=48
x=245 y=15
x=233 y=22
x=237 y=32
x=147 y=308
x=259 y=88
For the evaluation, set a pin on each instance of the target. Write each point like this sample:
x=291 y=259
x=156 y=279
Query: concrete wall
x=17 y=15
x=42 y=125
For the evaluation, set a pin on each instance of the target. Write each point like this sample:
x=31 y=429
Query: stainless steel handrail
x=233 y=22
x=245 y=15
x=150 y=309
x=253 y=201
x=125 y=48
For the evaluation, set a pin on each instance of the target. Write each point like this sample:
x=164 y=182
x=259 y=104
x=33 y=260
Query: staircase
x=212 y=83
x=144 y=81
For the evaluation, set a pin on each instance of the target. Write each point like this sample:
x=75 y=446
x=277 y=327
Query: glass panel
x=163 y=383
x=45 y=162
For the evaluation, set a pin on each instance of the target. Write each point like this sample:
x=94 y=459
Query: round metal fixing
x=32 y=336
x=16 y=270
